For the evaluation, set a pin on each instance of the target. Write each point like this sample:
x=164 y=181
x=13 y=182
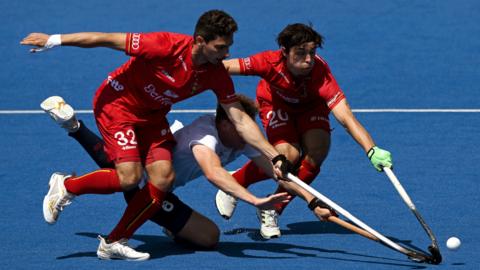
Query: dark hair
x=297 y=34
x=215 y=23
x=247 y=103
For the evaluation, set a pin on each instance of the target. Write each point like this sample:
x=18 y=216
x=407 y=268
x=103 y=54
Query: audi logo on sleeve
x=135 y=44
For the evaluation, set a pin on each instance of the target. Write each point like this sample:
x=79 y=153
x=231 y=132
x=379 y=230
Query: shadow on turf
x=299 y=228
x=312 y=227
x=305 y=228
x=157 y=245
x=162 y=246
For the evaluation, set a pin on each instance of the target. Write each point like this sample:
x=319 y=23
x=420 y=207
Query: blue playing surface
x=385 y=54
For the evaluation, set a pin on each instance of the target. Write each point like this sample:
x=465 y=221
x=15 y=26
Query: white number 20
x=277 y=116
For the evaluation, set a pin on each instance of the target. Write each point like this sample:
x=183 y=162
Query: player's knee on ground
x=200 y=231
x=208 y=238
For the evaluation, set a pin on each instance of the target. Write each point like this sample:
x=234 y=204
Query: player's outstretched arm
x=42 y=41
x=212 y=168
x=251 y=134
x=379 y=158
x=232 y=66
x=321 y=212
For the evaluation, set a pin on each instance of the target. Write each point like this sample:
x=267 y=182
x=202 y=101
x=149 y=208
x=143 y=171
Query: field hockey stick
x=352 y=228
x=414 y=255
x=433 y=248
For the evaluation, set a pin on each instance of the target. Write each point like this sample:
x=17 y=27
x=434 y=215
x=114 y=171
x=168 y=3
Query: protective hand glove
x=285 y=167
x=315 y=202
x=380 y=158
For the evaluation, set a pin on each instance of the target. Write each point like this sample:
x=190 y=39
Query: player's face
x=301 y=58
x=217 y=49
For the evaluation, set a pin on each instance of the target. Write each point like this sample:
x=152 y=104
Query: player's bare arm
x=345 y=117
x=114 y=41
x=378 y=157
x=232 y=66
x=251 y=134
x=248 y=129
x=213 y=170
x=265 y=165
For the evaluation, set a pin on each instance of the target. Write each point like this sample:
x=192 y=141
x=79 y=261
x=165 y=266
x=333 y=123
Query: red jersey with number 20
x=159 y=74
x=282 y=89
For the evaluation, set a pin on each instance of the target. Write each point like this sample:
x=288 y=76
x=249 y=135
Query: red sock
x=103 y=181
x=307 y=173
x=143 y=206
x=249 y=174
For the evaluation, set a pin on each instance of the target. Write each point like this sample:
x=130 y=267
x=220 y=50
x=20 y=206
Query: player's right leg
x=64 y=115
x=104 y=181
x=280 y=127
x=57 y=197
x=269 y=227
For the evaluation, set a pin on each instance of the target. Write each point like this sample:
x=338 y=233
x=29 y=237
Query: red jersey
x=161 y=73
x=320 y=88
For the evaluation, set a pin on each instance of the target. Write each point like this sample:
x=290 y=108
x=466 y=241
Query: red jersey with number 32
x=282 y=89
x=161 y=73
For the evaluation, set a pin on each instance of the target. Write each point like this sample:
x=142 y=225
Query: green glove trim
x=379 y=158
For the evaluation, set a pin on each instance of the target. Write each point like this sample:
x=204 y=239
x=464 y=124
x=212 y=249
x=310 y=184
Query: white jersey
x=201 y=131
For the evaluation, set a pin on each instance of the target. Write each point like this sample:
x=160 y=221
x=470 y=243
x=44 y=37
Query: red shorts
x=284 y=125
x=127 y=136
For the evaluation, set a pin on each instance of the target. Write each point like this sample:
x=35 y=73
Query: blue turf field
x=384 y=54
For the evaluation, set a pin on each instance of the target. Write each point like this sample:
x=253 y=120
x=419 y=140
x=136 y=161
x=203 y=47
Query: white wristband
x=53 y=41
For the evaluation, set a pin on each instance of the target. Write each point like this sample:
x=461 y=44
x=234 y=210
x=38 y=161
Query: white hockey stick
x=412 y=254
x=433 y=248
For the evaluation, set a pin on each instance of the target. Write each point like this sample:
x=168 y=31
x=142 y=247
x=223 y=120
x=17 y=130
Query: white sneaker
x=269 y=223
x=62 y=113
x=57 y=197
x=119 y=250
x=225 y=204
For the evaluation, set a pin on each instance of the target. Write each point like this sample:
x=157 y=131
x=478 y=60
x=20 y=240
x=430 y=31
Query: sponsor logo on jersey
x=318 y=118
x=151 y=90
x=115 y=84
x=278 y=91
x=248 y=63
x=135 y=41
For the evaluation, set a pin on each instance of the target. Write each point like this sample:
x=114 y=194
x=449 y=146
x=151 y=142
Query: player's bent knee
x=201 y=231
x=129 y=179
x=210 y=237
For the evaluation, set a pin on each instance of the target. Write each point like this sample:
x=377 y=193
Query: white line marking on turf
x=90 y=111
x=213 y=111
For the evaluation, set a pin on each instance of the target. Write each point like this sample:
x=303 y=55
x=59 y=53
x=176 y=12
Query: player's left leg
x=156 y=152
x=147 y=201
x=313 y=130
x=183 y=224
